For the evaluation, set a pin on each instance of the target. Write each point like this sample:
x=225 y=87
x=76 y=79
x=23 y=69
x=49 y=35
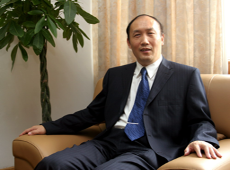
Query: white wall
x=70 y=81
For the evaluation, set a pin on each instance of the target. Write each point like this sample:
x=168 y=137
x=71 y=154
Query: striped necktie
x=135 y=127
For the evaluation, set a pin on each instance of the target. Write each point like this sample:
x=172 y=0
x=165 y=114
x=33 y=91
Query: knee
x=46 y=164
x=52 y=163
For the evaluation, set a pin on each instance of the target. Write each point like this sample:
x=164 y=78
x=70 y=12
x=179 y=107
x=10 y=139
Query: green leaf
x=26 y=6
x=2 y=10
x=24 y=53
x=86 y=16
x=63 y=22
x=16 y=29
x=4 y=1
x=12 y=1
x=68 y=33
x=80 y=38
x=38 y=43
x=48 y=3
x=60 y=25
x=65 y=34
x=13 y=55
x=48 y=36
x=78 y=34
x=35 y=12
x=76 y=25
x=28 y=37
x=29 y=24
x=10 y=41
x=53 y=13
x=58 y=4
x=57 y=22
x=3 y=31
x=15 y=13
x=69 y=11
x=85 y=35
x=52 y=26
x=75 y=43
x=39 y=25
x=36 y=2
x=5 y=41
x=2 y=20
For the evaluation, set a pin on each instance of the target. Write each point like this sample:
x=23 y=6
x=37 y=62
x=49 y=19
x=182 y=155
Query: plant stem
x=45 y=93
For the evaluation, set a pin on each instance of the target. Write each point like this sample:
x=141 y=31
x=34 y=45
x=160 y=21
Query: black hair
x=129 y=25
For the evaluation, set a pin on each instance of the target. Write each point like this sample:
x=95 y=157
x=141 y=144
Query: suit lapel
x=163 y=74
x=127 y=76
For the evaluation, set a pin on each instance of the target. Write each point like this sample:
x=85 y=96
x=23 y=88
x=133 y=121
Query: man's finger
x=218 y=154
x=187 y=151
x=25 y=131
x=207 y=151
x=197 y=150
x=31 y=132
x=34 y=132
x=212 y=153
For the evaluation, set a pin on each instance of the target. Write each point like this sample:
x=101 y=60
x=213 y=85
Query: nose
x=144 y=40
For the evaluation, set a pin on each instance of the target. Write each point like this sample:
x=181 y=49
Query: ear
x=162 y=38
x=128 y=42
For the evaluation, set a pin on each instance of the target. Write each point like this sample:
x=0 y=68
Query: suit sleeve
x=200 y=125
x=73 y=123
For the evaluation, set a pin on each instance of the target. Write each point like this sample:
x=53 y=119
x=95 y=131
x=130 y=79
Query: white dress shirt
x=151 y=74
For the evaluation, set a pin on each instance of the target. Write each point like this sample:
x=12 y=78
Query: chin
x=145 y=62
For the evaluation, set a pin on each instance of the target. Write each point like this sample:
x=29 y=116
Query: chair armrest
x=193 y=162
x=30 y=150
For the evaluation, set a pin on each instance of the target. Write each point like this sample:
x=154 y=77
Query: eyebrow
x=149 y=29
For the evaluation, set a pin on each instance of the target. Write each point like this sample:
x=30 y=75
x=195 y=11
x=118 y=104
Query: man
x=174 y=111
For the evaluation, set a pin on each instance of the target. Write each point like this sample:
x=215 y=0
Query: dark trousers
x=113 y=152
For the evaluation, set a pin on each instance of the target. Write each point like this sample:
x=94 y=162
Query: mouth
x=145 y=50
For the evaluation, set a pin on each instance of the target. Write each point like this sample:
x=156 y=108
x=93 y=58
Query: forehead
x=145 y=23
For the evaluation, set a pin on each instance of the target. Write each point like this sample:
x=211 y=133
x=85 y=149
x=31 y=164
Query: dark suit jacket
x=176 y=112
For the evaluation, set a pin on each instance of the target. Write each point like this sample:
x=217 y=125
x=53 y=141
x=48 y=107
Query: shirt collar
x=151 y=69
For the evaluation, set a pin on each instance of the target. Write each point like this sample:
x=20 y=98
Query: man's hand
x=34 y=130
x=197 y=146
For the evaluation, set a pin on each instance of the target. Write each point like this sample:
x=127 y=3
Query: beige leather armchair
x=29 y=150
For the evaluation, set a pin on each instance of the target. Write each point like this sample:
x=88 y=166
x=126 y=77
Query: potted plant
x=34 y=23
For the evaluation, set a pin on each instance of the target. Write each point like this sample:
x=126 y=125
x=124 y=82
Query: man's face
x=145 y=40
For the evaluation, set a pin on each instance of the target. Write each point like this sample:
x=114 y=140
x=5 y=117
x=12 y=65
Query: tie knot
x=143 y=71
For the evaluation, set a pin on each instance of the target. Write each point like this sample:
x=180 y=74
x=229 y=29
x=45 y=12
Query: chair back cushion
x=217 y=89
x=98 y=87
